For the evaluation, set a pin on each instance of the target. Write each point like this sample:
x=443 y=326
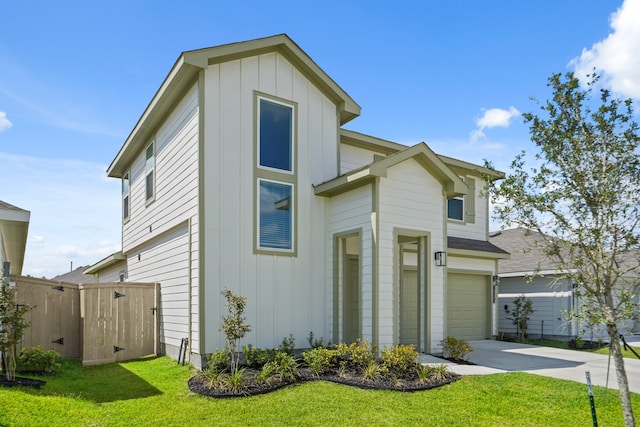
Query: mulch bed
x=198 y=384
x=19 y=381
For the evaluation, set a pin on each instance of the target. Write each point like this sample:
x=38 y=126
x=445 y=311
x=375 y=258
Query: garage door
x=467 y=306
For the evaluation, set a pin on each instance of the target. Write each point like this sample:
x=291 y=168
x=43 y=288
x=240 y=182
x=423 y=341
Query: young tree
x=583 y=195
x=520 y=315
x=12 y=325
x=233 y=325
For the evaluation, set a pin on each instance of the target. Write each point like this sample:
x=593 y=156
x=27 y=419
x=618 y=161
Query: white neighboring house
x=550 y=296
x=14 y=227
x=239 y=175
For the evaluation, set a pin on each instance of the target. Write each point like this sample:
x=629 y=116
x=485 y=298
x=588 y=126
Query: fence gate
x=119 y=320
x=55 y=315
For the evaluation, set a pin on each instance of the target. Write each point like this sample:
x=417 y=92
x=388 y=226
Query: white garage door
x=467 y=306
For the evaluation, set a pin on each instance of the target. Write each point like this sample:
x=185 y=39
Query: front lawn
x=154 y=392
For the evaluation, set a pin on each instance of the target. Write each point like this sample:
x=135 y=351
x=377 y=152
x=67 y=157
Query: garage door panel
x=467 y=306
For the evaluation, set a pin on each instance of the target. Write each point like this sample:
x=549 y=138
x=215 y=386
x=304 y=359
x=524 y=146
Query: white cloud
x=75 y=212
x=617 y=57
x=493 y=117
x=4 y=122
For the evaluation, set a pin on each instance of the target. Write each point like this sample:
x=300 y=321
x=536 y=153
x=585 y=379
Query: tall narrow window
x=455 y=208
x=149 y=168
x=275 y=216
x=125 y=197
x=275 y=136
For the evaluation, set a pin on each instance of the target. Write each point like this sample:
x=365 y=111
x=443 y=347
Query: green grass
x=154 y=392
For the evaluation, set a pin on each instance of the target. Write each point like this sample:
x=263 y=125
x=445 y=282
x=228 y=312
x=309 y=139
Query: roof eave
x=469 y=253
x=106 y=262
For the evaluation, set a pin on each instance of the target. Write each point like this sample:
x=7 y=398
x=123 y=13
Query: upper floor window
x=455 y=208
x=275 y=135
x=149 y=167
x=125 y=196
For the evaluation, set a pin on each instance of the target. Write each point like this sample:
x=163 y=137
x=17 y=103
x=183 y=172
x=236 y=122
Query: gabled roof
x=75 y=276
x=526 y=251
x=421 y=153
x=108 y=261
x=386 y=147
x=14 y=227
x=187 y=68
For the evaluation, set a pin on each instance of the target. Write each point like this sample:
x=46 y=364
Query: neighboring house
x=75 y=276
x=14 y=226
x=551 y=296
x=239 y=175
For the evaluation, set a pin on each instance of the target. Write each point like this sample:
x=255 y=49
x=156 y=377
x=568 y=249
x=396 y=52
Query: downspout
x=189 y=283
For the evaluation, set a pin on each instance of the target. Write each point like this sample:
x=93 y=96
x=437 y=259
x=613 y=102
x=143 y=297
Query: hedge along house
x=239 y=175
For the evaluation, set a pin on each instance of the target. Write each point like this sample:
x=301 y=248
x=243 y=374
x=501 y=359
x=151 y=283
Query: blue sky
x=75 y=77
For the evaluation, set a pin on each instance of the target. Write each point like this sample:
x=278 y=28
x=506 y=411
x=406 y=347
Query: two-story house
x=239 y=175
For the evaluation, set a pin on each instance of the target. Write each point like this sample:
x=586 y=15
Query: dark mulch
x=198 y=384
x=19 y=381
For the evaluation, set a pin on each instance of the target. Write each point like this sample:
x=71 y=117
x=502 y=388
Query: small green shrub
x=236 y=382
x=38 y=360
x=213 y=378
x=373 y=371
x=255 y=357
x=288 y=345
x=313 y=343
x=319 y=359
x=423 y=372
x=439 y=372
x=218 y=361
x=267 y=372
x=400 y=359
x=285 y=365
x=359 y=353
x=456 y=349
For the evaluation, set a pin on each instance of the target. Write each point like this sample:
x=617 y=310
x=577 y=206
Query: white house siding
x=151 y=230
x=409 y=199
x=548 y=302
x=350 y=212
x=285 y=294
x=112 y=273
x=354 y=157
x=166 y=260
x=478 y=230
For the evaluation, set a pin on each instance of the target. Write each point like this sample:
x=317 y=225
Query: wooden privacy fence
x=97 y=322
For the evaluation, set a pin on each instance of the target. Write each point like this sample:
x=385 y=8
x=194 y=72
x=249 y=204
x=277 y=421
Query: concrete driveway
x=492 y=357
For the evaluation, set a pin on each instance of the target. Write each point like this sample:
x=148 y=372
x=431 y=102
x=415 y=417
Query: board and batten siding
x=285 y=294
x=158 y=232
x=350 y=212
x=478 y=229
x=352 y=158
x=410 y=199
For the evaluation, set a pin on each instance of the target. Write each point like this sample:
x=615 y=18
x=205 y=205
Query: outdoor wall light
x=496 y=280
x=441 y=259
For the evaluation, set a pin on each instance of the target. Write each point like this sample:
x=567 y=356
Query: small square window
x=275 y=217
x=455 y=208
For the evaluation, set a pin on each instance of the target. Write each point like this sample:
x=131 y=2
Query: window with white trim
x=455 y=208
x=149 y=167
x=125 y=196
x=275 y=215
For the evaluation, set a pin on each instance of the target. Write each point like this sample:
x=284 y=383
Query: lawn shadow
x=99 y=384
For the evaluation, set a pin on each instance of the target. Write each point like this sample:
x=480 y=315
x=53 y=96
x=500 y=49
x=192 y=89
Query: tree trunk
x=621 y=374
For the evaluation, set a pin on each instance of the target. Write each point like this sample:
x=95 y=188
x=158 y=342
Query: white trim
x=537 y=294
x=540 y=273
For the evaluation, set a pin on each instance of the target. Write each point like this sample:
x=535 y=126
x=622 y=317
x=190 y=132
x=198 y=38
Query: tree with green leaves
x=581 y=192
x=233 y=325
x=12 y=326
x=520 y=315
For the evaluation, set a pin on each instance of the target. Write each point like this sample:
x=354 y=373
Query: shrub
x=456 y=349
x=319 y=359
x=255 y=357
x=423 y=372
x=267 y=372
x=313 y=343
x=439 y=372
x=37 y=359
x=233 y=325
x=359 y=353
x=218 y=361
x=400 y=359
x=236 y=382
x=373 y=371
x=288 y=345
x=284 y=365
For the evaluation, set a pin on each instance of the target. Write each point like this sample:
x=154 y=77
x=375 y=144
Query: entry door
x=352 y=299
x=409 y=318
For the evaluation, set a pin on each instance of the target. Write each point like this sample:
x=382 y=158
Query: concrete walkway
x=492 y=357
